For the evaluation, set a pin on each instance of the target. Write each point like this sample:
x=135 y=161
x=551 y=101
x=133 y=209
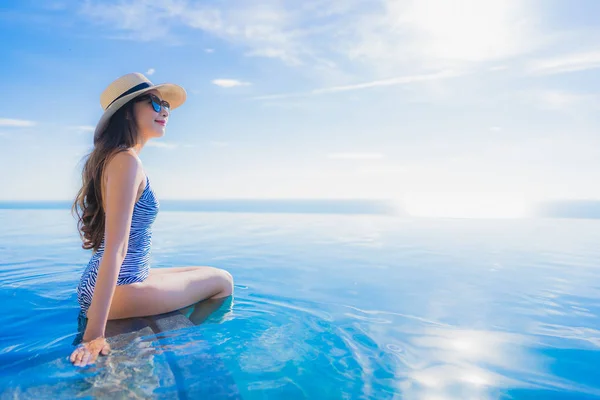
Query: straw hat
x=132 y=85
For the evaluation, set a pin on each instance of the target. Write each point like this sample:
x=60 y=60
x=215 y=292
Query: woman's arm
x=120 y=193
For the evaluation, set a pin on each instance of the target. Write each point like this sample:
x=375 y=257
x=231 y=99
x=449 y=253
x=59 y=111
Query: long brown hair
x=119 y=135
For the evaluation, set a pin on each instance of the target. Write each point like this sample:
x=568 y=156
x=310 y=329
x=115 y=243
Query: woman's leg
x=165 y=292
x=171 y=270
x=206 y=308
x=200 y=311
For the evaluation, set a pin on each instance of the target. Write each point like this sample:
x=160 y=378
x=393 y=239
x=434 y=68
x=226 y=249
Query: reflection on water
x=460 y=363
x=324 y=307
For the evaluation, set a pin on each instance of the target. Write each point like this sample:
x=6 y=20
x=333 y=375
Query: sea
x=331 y=301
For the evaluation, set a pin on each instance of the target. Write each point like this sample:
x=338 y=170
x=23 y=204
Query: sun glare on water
x=465 y=205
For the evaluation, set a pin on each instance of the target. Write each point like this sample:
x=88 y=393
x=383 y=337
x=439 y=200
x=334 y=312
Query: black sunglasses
x=157 y=103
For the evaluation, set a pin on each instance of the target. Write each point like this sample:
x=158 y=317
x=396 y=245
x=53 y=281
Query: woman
x=116 y=207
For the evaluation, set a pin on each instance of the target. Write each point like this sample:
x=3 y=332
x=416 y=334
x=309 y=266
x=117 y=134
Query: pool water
x=325 y=307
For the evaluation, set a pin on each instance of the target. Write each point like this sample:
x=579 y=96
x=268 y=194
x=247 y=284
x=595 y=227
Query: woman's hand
x=87 y=352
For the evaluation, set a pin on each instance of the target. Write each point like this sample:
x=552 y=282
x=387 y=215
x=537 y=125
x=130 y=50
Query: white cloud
x=400 y=80
x=566 y=63
x=389 y=82
x=255 y=26
x=272 y=52
x=558 y=100
x=16 y=123
x=495 y=129
x=161 y=145
x=471 y=30
x=209 y=50
x=151 y=71
x=415 y=34
x=355 y=156
x=142 y=20
x=215 y=143
x=229 y=83
x=385 y=169
x=83 y=128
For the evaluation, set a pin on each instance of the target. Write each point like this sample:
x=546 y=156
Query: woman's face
x=150 y=123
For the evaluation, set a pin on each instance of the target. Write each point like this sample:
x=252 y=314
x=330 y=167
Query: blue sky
x=466 y=105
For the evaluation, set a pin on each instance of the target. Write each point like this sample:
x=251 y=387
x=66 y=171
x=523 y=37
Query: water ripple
x=324 y=307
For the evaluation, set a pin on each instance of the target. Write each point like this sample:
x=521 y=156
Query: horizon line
x=576 y=209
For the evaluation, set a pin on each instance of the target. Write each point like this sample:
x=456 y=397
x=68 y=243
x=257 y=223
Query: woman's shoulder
x=127 y=156
x=125 y=162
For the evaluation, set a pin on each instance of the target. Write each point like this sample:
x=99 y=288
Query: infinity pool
x=325 y=307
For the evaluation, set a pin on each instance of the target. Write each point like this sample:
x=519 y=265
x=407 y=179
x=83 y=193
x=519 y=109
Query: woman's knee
x=227 y=283
x=222 y=280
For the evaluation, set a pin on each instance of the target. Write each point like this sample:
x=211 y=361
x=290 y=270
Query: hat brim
x=174 y=94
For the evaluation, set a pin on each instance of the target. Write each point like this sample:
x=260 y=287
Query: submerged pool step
x=197 y=375
x=156 y=323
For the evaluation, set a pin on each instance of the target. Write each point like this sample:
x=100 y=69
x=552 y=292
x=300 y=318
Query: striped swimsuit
x=136 y=265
